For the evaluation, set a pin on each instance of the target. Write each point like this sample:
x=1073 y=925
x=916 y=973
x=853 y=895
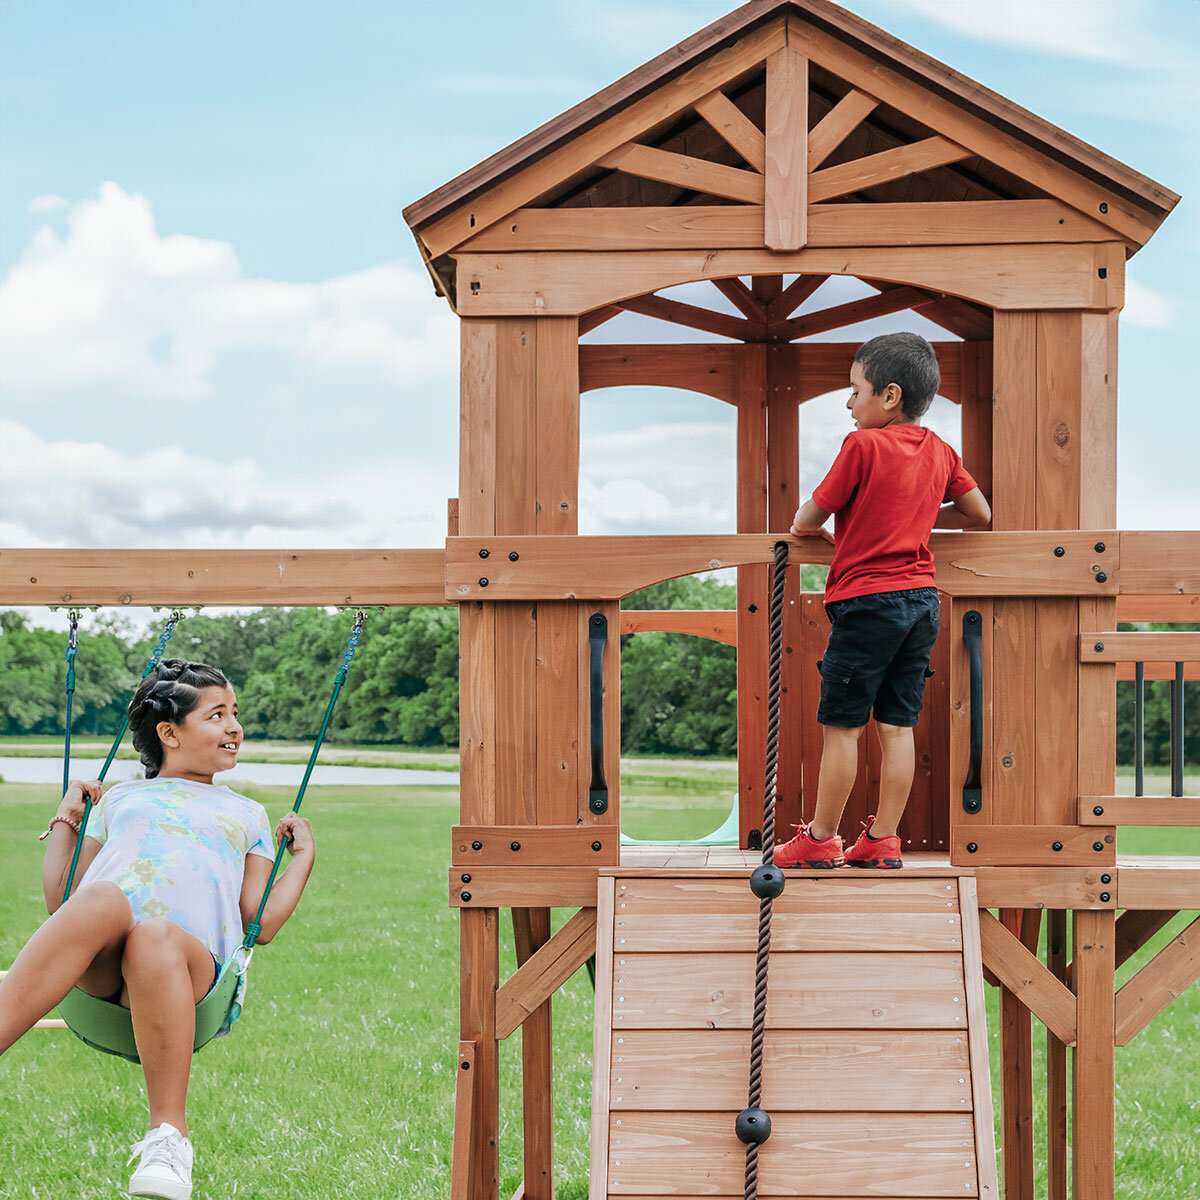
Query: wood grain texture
x=531 y=932
x=602 y=1040
x=477 y=713
x=479 y=967
x=1023 y=974
x=1057 y=1081
x=708 y=368
x=558 y=785
x=1175 y=811
x=735 y=127
x=694 y=174
x=786 y=201
x=879 y=168
x=535 y=845
x=717 y=625
x=464 y=1123
x=1033 y=845
x=547 y=967
x=837 y=125
x=1094 y=1074
x=1163 y=979
x=1014 y=417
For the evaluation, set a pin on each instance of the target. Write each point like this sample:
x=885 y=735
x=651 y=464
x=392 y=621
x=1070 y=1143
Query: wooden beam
x=1158 y=608
x=581 y=151
x=1094 y=1077
x=694 y=174
x=598 y=317
x=185 y=577
x=533 y=845
x=1139 y=646
x=678 y=313
x=1004 y=276
x=706 y=367
x=479 y=971
x=531 y=931
x=742 y=298
x=1158 y=883
x=837 y=125
x=1023 y=974
x=1034 y=845
x=510 y=887
x=786 y=201
x=896 y=300
x=545 y=971
x=1160 y=562
x=1057 y=1081
x=1178 y=812
x=609 y=568
x=1049 y=887
x=735 y=127
x=883 y=167
x=1163 y=979
x=740 y=226
x=717 y=626
x=464 y=1114
x=793 y=296
x=1135 y=927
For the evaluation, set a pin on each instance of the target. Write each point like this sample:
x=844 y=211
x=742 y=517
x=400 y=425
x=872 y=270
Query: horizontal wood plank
x=533 y=845
x=1046 y=887
x=123 y=578
x=1139 y=646
x=715 y=625
x=1174 y=811
x=522 y=887
x=709 y=368
x=703 y=1070
x=803 y=894
x=1160 y=561
x=1172 y=607
x=814 y=1154
x=740 y=226
x=808 y=991
x=1033 y=845
x=1158 y=882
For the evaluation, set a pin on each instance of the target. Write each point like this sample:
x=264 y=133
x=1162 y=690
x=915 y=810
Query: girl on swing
x=171 y=869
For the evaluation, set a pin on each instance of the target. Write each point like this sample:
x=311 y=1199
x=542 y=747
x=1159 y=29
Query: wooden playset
x=784 y=144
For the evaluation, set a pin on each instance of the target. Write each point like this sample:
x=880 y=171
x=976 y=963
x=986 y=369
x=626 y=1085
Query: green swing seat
x=106 y=1026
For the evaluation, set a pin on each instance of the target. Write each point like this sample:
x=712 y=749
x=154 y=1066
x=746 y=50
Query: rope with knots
x=753 y=1125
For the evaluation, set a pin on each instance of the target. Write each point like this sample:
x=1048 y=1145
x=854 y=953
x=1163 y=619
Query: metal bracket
x=972 y=797
x=597 y=639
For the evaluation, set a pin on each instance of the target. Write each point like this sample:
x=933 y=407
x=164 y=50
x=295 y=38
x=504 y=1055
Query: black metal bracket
x=972 y=798
x=597 y=638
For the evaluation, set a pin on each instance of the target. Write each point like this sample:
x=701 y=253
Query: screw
x=1104 y=897
x=1106 y=878
x=1101 y=577
x=483 y=581
x=466 y=896
x=1098 y=811
x=972 y=847
x=465 y=1066
x=466 y=877
x=513 y=556
x=514 y=846
x=972 y=618
x=484 y=552
x=1056 y=846
x=754 y=608
x=477 y=845
x=1104 y=206
x=1059 y=552
x=1098 y=647
x=596 y=846
x=1099 y=547
x=1097 y=846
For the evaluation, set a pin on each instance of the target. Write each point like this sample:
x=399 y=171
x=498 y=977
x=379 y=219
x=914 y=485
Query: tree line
x=678 y=693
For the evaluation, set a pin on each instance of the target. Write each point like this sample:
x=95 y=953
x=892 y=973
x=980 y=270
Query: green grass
x=338 y=1080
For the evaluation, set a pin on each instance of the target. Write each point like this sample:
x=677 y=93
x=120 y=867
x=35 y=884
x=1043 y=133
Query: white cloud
x=1100 y=30
x=114 y=302
x=65 y=493
x=1145 y=307
x=48 y=203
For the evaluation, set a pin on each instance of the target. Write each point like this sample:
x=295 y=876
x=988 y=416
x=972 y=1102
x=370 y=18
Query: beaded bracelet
x=59 y=820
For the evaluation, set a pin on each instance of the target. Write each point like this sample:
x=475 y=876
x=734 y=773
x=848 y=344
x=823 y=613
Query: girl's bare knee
x=154 y=942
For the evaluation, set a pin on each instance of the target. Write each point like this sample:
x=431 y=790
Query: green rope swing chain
x=105 y=1025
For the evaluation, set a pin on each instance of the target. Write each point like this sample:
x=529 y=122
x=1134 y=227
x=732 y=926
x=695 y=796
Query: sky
x=215 y=329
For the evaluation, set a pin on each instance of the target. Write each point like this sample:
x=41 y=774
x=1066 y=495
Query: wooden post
x=1056 y=1068
x=1094 y=1075
x=479 y=973
x=531 y=931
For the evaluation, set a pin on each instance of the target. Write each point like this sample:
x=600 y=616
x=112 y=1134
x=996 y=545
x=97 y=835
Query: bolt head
x=1106 y=878
x=1098 y=810
x=1101 y=577
x=1098 y=647
x=972 y=847
x=1099 y=547
x=466 y=877
x=514 y=846
x=597 y=846
x=1104 y=897
x=476 y=845
x=1059 y=552
x=1097 y=846
x=484 y=553
x=466 y=896
x=483 y=581
x=513 y=556
x=1056 y=846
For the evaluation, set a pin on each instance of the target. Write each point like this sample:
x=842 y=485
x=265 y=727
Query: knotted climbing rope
x=753 y=1125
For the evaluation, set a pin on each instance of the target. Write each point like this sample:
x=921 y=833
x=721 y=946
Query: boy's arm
x=968 y=511
x=809 y=518
x=289 y=884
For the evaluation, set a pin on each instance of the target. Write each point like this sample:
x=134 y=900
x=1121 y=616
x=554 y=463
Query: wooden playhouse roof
x=1139 y=204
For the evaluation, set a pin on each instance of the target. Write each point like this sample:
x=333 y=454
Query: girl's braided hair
x=168 y=693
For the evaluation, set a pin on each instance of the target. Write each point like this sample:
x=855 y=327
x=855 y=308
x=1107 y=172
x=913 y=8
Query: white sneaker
x=165 y=1170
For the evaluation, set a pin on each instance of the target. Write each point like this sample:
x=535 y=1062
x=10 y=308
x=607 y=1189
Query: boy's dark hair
x=907 y=360
x=168 y=693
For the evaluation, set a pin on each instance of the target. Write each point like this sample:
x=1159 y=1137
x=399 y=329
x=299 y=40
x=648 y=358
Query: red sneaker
x=880 y=853
x=806 y=851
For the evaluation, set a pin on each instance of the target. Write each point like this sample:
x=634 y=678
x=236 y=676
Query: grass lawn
x=338 y=1079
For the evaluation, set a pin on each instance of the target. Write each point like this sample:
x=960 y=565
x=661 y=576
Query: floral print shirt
x=178 y=850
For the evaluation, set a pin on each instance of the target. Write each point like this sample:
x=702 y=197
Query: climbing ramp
x=875 y=1067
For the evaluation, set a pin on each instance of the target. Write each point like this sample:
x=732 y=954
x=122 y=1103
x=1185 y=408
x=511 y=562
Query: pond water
x=49 y=770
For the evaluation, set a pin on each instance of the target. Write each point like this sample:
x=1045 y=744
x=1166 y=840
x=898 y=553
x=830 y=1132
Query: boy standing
x=887 y=487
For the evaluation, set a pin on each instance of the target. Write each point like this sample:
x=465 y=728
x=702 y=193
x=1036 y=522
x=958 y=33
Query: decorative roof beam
x=793 y=296
x=785 y=223
x=837 y=125
x=735 y=127
x=691 y=315
x=879 y=168
x=742 y=298
x=896 y=300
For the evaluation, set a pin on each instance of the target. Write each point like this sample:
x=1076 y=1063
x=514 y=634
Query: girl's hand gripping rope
x=298 y=834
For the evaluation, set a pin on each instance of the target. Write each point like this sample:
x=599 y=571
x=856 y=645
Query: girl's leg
x=839 y=766
x=895 y=776
x=80 y=944
x=167 y=971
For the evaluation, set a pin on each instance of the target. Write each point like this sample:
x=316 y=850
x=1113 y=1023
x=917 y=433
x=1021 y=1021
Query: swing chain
x=163 y=638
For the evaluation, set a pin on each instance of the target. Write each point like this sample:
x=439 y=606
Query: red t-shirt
x=886 y=486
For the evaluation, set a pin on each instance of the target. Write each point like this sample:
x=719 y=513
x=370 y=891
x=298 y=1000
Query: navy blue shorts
x=878 y=657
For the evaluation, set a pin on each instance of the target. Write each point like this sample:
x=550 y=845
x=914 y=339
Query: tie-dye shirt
x=178 y=850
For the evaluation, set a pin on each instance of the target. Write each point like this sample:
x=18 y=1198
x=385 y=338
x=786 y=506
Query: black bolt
x=1057 y=846
x=477 y=845
x=1098 y=811
x=1101 y=577
x=1097 y=846
x=972 y=618
x=484 y=552
x=513 y=556
x=466 y=877
x=1059 y=552
x=483 y=581
x=1098 y=647
x=597 y=620
x=466 y=896
x=465 y=1066
x=1104 y=897
x=1104 y=206
x=754 y=608
x=1106 y=878
x=1099 y=547
x=1102 y=272
x=972 y=847
x=514 y=846
x=597 y=846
